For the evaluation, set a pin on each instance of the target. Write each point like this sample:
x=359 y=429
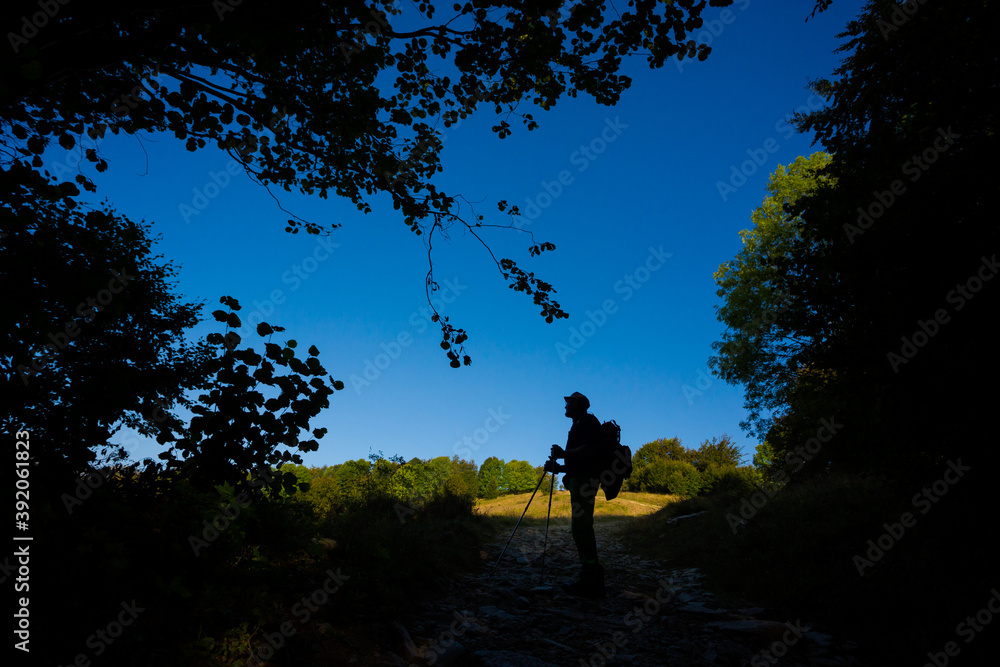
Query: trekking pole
x=552 y=486
x=518 y=522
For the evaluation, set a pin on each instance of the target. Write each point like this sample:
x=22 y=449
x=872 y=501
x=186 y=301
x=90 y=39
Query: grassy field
x=625 y=505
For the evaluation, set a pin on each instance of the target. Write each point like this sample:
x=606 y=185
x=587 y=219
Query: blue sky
x=643 y=202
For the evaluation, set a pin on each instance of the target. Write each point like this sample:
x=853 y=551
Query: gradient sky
x=632 y=196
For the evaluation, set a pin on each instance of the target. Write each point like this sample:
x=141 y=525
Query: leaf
x=220 y=315
x=313 y=350
x=264 y=329
x=231 y=302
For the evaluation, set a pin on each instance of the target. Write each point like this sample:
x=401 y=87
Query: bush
x=730 y=480
x=683 y=478
x=666 y=476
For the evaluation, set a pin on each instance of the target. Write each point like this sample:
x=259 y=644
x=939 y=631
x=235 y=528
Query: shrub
x=731 y=480
x=683 y=478
x=666 y=476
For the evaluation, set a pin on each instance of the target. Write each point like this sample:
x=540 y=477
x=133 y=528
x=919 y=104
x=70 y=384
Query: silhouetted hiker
x=582 y=468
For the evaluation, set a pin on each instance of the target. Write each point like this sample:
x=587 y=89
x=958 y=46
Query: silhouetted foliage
x=236 y=429
x=95 y=341
x=293 y=96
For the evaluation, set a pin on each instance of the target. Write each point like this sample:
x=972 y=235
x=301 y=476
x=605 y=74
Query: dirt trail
x=651 y=616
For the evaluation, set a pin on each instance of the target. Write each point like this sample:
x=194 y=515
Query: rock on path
x=651 y=615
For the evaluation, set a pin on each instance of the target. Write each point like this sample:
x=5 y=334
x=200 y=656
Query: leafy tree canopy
x=324 y=98
x=719 y=452
x=661 y=449
x=762 y=347
x=884 y=254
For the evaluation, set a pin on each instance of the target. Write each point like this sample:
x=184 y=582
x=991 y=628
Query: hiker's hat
x=577 y=396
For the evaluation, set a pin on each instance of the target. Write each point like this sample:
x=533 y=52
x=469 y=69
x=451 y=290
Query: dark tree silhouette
x=95 y=340
x=890 y=269
x=290 y=91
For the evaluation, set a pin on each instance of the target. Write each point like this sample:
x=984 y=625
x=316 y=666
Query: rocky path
x=651 y=615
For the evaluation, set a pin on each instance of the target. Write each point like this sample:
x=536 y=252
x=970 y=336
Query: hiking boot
x=590 y=585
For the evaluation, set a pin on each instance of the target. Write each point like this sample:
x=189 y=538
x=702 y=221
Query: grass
x=796 y=555
x=508 y=509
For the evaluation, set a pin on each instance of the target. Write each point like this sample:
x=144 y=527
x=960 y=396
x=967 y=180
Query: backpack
x=617 y=458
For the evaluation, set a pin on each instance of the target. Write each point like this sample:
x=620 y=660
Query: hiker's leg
x=591 y=582
x=581 y=495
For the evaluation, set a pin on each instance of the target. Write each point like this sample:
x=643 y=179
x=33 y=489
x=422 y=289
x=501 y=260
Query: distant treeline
x=348 y=484
x=661 y=466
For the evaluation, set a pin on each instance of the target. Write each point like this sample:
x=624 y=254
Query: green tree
x=352 y=480
x=660 y=450
x=667 y=476
x=518 y=477
x=682 y=478
x=884 y=268
x=489 y=477
x=438 y=470
x=762 y=347
x=464 y=478
x=718 y=452
x=95 y=337
x=548 y=483
x=297 y=98
x=325 y=495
